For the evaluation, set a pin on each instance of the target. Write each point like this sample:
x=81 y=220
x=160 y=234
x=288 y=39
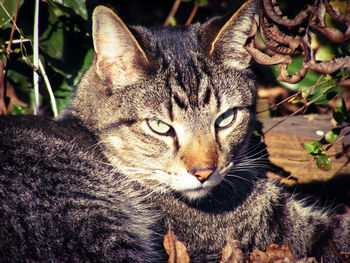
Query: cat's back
x=59 y=200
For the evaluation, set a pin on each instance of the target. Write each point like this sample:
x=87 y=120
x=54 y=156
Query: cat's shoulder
x=39 y=128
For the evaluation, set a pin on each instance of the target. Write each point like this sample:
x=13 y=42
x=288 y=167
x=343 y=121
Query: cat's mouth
x=196 y=193
x=194 y=189
x=181 y=182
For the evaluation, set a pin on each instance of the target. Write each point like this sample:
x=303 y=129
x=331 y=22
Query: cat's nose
x=203 y=174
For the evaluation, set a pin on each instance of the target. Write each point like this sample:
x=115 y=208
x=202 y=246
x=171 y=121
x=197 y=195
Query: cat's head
x=172 y=106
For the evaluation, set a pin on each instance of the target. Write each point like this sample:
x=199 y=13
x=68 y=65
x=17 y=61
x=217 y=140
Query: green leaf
x=340 y=114
x=314 y=147
x=78 y=6
x=325 y=95
x=305 y=94
x=332 y=135
x=343 y=73
x=172 y=21
x=324 y=53
x=257 y=133
x=19 y=77
x=86 y=63
x=323 y=162
x=10 y=7
x=19 y=110
x=52 y=39
x=201 y=2
x=62 y=100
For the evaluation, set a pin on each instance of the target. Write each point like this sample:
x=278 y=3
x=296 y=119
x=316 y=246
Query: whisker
x=239 y=177
x=231 y=184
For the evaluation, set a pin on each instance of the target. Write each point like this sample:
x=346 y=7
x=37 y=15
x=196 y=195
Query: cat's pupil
x=226 y=119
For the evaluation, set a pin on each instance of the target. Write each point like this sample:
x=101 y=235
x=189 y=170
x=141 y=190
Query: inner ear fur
x=225 y=36
x=120 y=59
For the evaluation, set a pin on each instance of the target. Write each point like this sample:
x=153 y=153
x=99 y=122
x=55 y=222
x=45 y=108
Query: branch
x=8 y=49
x=280 y=46
x=172 y=12
x=337 y=14
x=329 y=67
x=331 y=33
x=193 y=13
x=274 y=38
x=261 y=57
x=36 y=58
x=273 y=11
x=294 y=78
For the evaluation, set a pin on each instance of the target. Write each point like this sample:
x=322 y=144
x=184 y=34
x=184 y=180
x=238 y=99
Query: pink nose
x=203 y=174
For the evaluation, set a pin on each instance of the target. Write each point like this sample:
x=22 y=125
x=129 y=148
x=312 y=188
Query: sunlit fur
x=203 y=178
x=104 y=183
x=187 y=90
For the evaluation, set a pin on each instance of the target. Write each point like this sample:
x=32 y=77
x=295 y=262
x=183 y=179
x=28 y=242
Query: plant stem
x=49 y=89
x=36 y=58
x=2 y=88
x=172 y=12
x=8 y=49
x=294 y=113
x=193 y=13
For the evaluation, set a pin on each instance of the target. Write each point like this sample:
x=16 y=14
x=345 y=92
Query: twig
x=281 y=102
x=295 y=172
x=48 y=85
x=276 y=40
x=296 y=94
x=36 y=58
x=172 y=12
x=193 y=13
x=2 y=86
x=8 y=49
x=338 y=16
x=19 y=41
x=274 y=12
x=43 y=72
x=279 y=45
x=326 y=149
x=294 y=113
x=7 y=13
x=336 y=141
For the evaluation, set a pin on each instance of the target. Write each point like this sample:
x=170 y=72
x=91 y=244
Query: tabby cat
x=157 y=136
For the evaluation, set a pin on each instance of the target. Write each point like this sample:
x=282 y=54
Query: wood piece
x=285 y=147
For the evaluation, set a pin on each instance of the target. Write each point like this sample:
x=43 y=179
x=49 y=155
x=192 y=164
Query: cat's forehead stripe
x=207 y=96
x=218 y=99
x=179 y=102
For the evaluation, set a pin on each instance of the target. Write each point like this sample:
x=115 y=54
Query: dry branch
x=273 y=11
x=281 y=42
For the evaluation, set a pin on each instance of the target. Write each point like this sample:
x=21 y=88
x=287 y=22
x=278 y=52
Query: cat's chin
x=195 y=194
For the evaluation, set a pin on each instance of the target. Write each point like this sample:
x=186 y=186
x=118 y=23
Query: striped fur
x=158 y=134
x=203 y=177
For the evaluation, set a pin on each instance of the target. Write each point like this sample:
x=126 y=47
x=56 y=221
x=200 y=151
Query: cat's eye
x=226 y=119
x=158 y=126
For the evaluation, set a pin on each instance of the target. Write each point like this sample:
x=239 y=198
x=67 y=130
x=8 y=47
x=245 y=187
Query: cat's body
x=167 y=113
x=268 y=215
x=60 y=201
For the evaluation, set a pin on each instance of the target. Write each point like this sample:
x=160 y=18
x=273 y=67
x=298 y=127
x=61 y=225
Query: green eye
x=226 y=119
x=158 y=126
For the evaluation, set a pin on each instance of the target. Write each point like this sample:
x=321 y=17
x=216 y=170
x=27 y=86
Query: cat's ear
x=225 y=36
x=119 y=58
